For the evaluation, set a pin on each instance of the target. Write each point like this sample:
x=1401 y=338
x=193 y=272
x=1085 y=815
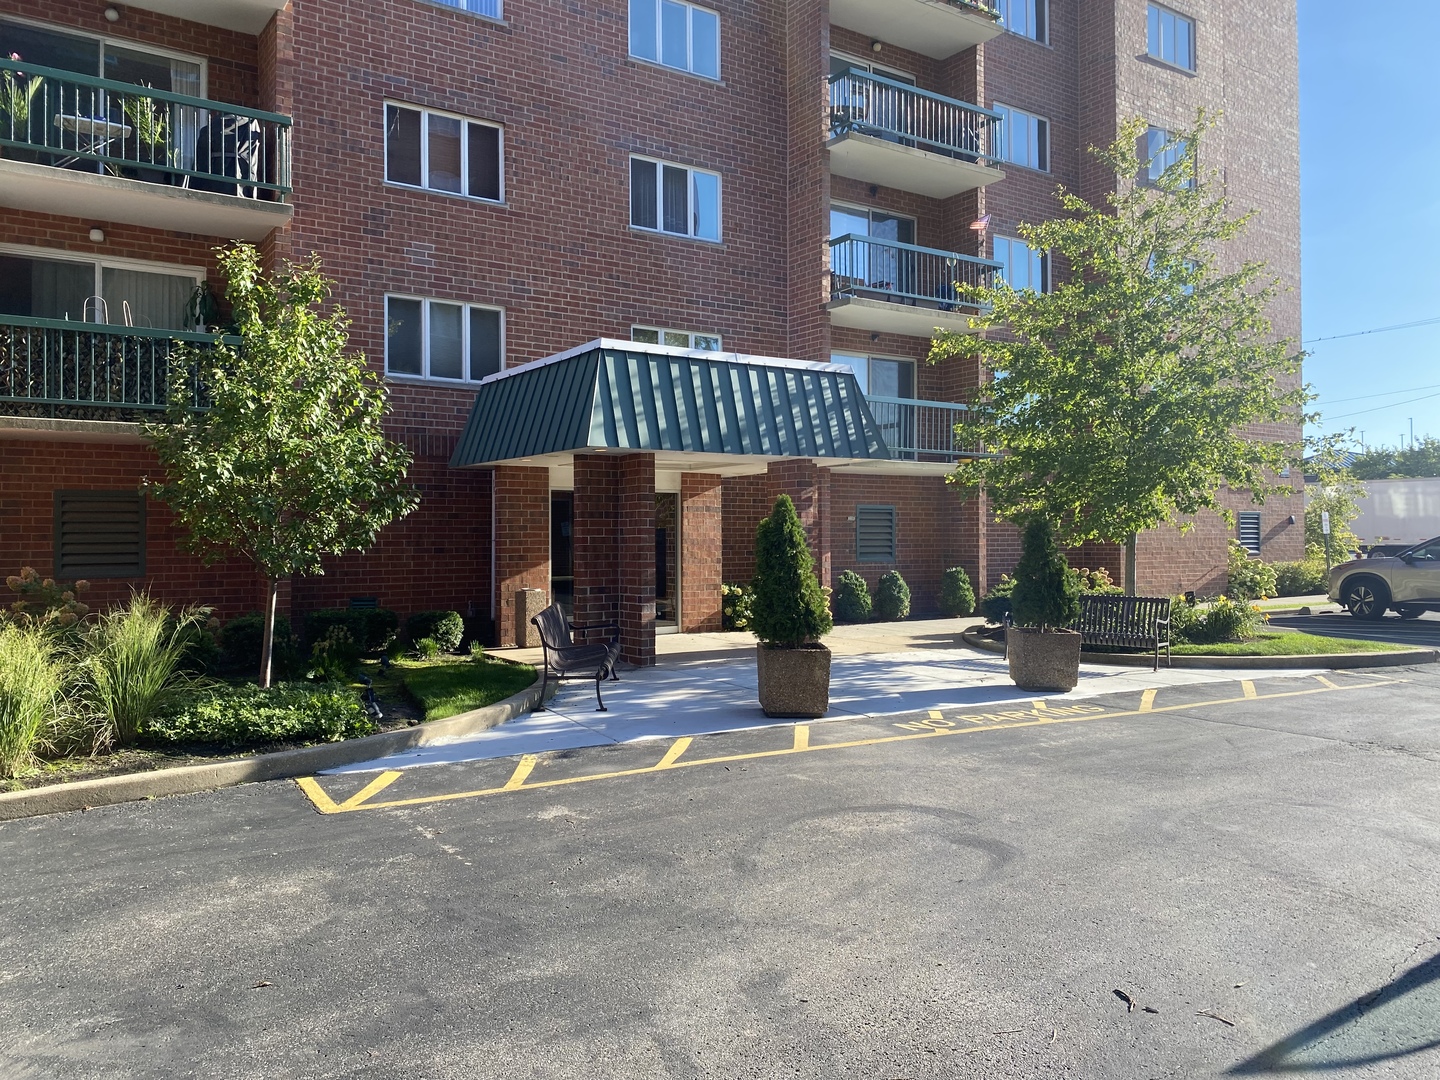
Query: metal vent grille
x=1249 y=527
x=99 y=534
x=875 y=533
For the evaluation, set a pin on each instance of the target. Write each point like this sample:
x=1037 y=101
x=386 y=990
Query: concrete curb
x=1402 y=658
x=188 y=779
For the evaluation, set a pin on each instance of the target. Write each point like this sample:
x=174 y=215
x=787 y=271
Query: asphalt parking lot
x=1227 y=879
x=1424 y=631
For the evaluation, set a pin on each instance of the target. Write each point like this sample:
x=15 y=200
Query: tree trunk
x=1130 y=566
x=267 y=640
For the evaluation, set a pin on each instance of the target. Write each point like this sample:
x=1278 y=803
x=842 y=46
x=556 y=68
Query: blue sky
x=1370 y=213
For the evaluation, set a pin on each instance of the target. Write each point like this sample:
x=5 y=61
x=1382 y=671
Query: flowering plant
x=42 y=600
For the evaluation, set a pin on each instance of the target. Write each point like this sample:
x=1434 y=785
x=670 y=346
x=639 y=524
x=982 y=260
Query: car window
x=1429 y=552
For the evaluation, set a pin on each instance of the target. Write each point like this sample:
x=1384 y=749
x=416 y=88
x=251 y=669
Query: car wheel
x=1366 y=598
x=1409 y=611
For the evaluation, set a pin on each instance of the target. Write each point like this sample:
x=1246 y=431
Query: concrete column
x=701 y=537
x=522 y=540
x=635 y=547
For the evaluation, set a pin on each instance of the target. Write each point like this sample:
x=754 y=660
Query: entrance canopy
x=701 y=411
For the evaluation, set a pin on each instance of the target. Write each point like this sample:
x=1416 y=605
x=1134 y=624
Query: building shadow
x=1353 y=1035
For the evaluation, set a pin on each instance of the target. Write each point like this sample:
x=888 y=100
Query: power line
x=1387 y=393
x=1377 y=408
x=1374 y=330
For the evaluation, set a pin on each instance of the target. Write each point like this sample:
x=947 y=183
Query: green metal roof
x=624 y=396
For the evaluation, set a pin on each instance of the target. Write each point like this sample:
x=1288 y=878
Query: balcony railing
x=77 y=122
x=59 y=368
x=868 y=104
x=866 y=267
x=920 y=430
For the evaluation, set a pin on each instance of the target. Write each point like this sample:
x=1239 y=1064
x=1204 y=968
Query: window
x=879 y=265
x=99 y=534
x=1248 y=522
x=1171 y=38
x=1026 y=18
x=673 y=199
x=677 y=35
x=880 y=376
x=443 y=153
x=489 y=8
x=1022 y=266
x=679 y=339
x=875 y=534
x=1022 y=138
x=438 y=339
x=122 y=293
x=1162 y=151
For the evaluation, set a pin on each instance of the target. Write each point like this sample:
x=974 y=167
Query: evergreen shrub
x=446 y=628
x=957 y=595
x=892 y=597
x=788 y=608
x=852 y=598
x=1047 y=591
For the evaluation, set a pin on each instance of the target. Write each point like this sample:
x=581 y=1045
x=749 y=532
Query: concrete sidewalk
x=706 y=683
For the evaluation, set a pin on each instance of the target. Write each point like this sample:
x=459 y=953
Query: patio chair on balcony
x=229 y=146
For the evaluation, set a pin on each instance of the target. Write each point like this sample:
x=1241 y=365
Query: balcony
x=108 y=151
x=55 y=369
x=247 y=16
x=895 y=288
x=921 y=431
x=884 y=132
x=935 y=28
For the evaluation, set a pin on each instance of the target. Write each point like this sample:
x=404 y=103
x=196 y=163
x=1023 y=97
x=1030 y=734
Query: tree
x=1127 y=395
x=289 y=462
x=789 y=608
x=1384 y=463
x=1047 y=591
x=1335 y=491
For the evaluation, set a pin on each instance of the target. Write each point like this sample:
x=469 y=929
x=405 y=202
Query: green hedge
x=239 y=716
x=370 y=628
x=446 y=628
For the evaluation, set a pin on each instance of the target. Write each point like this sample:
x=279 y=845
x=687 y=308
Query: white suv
x=1408 y=583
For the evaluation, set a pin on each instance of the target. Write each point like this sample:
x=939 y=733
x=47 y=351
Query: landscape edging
x=1399 y=658
x=189 y=779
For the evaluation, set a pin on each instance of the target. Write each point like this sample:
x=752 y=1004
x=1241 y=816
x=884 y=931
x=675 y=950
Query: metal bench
x=566 y=660
x=1133 y=622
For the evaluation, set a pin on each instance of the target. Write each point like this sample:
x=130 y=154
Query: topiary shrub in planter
x=789 y=616
x=446 y=628
x=957 y=595
x=1042 y=654
x=892 y=597
x=852 y=598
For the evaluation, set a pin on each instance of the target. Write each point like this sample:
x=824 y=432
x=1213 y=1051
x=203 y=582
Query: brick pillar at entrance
x=636 y=550
x=596 y=525
x=701 y=557
x=808 y=486
x=522 y=540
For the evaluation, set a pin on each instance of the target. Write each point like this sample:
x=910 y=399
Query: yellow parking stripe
x=678 y=747
x=802 y=737
x=1147 y=700
x=522 y=772
x=1248 y=688
x=379 y=784
x=1326 y=682
x=325 y=805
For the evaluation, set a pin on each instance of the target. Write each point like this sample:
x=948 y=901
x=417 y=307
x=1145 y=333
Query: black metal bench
x=566 y=660
x=1132 y=622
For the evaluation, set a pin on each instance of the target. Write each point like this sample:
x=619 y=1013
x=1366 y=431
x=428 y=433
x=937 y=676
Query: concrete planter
x=1048 y=661
x=794 y=682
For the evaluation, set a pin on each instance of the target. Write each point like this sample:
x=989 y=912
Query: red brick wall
x=596 y=536
x=635 y=548
x=702 y=534
x=522 y=540
x=30 y=474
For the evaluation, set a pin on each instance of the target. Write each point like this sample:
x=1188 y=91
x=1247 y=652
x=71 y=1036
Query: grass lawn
x=1288 y=643
x=444 y=687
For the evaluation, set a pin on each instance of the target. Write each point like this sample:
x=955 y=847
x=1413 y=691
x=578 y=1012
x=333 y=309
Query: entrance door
x=562 y=550
x=667 y=562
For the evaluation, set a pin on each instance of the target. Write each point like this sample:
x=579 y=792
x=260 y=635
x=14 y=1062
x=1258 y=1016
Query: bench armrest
x=613 y=627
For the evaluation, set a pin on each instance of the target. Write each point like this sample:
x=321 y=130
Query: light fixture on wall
x=97 y=236
x=876 y=46
x=112 y=14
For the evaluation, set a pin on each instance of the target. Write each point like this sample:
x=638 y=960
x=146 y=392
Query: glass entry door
x=562 y=550
x=667 y=562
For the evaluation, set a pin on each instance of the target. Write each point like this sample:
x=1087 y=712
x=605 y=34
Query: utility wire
x=1387 y=393
x=1377 y=408
x=1374 y=330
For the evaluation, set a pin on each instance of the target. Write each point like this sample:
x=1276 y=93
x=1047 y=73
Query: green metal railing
x=56 y=367
x=870 y=268
x=916 y=430
x=78 y=122
x=867 y=104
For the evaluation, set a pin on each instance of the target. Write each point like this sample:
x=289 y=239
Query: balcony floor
x=932 y=28
x=906 y=168
x=95 y=197
x=888 y=317
x=247 y=16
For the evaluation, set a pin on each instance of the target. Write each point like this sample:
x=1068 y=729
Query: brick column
x=522 y=540
x=701 y=537
x=635 y=547
x=596 y=521
x=808 y=486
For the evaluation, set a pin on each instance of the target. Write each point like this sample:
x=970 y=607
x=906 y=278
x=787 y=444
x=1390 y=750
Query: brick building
x=688 y=188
